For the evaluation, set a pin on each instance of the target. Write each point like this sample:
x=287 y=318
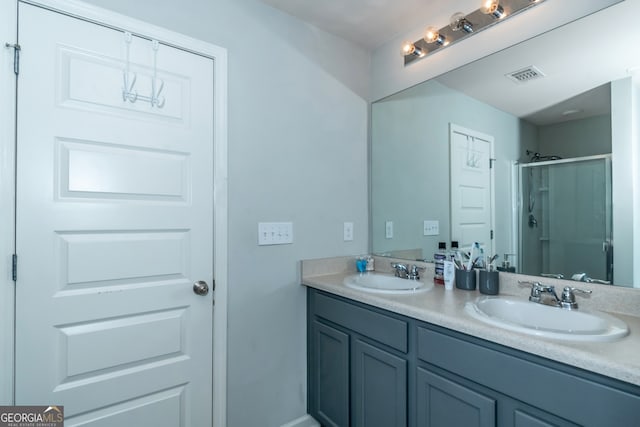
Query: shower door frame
x=608 y=208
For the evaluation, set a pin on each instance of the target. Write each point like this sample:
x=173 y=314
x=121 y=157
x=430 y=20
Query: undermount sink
x=546 y=321
x=385 y=284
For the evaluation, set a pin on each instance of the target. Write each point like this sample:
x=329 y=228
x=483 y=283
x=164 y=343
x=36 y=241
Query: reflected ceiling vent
x=526 y=74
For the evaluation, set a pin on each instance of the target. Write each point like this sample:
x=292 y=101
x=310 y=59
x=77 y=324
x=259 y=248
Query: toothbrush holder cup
x=488 y=282
x=466 y=280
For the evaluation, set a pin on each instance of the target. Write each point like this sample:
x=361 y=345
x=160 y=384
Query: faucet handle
x=528 y=283
x=568 y=297
x=414 y=272
x=537 y=286
x=537 y=289
x=401 y=269
x=553 y=275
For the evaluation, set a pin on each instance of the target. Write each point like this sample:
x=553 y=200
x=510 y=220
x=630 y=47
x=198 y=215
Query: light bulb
x=409 y=48
x=458 y=21
x=492 y=7
x=432 y=35
x=489 y=6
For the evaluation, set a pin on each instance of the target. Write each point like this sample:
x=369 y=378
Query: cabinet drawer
x=365 y=321
x=541 y=383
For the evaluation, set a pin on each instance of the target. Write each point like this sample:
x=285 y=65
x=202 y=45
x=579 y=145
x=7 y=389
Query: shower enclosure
x=565 y=218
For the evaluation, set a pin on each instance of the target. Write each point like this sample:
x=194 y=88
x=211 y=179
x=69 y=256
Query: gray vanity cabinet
x=528 y=390
x=369 y=367
x=357 y=365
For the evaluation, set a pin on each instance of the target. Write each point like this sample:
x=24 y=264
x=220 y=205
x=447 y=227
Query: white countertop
x=618 y=359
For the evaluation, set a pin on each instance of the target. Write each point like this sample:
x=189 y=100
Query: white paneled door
x=471 y=188
x=114 y=225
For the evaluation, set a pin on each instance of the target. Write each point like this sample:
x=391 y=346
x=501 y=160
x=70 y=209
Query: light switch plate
x=275 y=233
x=388 y=229
x=348 y=231
x=431 y=228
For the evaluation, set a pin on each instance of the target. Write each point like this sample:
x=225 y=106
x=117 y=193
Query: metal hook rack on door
x=129 y=93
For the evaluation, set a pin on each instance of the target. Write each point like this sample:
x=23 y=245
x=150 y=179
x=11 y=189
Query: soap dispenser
x=506 y=265
x=370 y=265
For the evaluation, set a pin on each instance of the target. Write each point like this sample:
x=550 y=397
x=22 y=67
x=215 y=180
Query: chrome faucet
x=538 y=290
x=407 y=272
x=401 y=270
x=567 y=300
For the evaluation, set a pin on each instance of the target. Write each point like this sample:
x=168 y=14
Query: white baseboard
x=304 y=421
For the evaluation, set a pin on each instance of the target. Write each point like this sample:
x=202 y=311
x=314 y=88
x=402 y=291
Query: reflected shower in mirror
x=565 y=219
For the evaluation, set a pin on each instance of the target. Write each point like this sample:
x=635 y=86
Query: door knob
x=201 y=288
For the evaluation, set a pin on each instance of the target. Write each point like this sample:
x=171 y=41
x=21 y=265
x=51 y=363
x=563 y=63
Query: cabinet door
x=442 y=402
x=329 y=380
x=513 y=413
x=379 y=387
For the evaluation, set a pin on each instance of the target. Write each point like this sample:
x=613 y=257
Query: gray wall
x=624 y=183
x=410 y=168
x=576 y=138
x=297 y=152
x=635 y=177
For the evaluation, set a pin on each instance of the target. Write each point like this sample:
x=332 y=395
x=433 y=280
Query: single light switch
x=348 y=231
x=388 y=229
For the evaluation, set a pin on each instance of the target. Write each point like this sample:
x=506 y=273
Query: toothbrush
x=490 y=266
x=458 y=260
x=471 y=254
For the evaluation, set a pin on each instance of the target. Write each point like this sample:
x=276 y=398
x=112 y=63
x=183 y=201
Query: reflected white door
x=471 y=198
x=114 y=225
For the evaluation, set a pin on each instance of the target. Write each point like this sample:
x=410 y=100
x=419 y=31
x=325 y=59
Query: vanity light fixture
x=463 y=25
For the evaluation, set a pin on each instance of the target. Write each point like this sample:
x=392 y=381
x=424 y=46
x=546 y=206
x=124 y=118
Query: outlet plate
x=431 y=228
x=348 y=231
x=275 y=233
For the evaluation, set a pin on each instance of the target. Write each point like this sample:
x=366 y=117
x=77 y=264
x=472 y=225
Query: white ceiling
x=575 y=58
x=370 y=23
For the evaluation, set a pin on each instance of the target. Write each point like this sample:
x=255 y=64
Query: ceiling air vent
x=526 y=74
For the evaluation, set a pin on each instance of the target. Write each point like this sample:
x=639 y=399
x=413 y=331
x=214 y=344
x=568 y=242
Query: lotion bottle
x=449 y=274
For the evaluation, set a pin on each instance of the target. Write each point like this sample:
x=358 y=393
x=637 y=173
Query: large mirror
x=531 y=151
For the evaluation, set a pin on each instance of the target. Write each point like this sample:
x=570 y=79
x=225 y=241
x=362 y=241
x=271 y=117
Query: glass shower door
x=566 y=218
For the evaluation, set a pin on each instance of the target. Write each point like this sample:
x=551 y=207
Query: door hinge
x=491 y=234
x=491 y=163
x=16 y=56
x=14 y=267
